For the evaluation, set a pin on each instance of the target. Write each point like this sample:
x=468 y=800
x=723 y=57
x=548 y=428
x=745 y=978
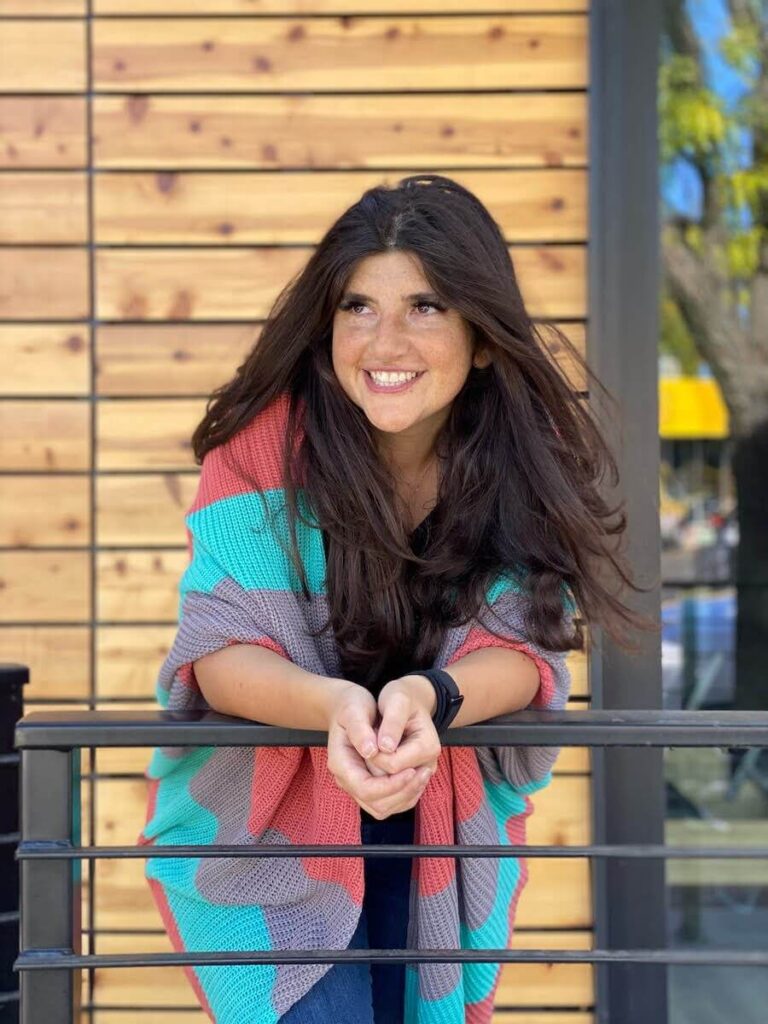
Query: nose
x=389 y=339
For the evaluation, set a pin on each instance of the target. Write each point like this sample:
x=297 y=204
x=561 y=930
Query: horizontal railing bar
x=49 y=850
x=66 y=730
x=41 y=959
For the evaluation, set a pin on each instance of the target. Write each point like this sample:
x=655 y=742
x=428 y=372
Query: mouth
x=384 y=388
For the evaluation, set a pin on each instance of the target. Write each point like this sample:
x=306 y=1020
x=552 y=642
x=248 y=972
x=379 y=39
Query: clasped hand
x=381 y=781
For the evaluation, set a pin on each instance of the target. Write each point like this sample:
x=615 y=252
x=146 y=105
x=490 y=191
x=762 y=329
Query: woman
x=398 y=478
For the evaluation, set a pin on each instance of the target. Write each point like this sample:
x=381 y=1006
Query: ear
x=482 y=358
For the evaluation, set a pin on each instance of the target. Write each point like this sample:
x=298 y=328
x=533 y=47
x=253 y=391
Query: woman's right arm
x=249 y=681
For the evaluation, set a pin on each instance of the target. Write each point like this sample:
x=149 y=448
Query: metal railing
x=50 y=852
x=12 y=680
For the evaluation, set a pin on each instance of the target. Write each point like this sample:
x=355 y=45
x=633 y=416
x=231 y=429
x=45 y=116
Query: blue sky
x=680 y=184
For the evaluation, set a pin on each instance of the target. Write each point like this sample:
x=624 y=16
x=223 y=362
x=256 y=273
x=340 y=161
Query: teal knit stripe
x=221 y=533
x=234 y=992
x=229 y=539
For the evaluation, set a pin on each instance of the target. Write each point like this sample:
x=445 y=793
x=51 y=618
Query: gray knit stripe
x=302 y=912
x=478 y=876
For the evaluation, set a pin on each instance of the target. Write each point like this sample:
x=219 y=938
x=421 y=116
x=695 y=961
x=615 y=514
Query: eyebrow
x=415 y=297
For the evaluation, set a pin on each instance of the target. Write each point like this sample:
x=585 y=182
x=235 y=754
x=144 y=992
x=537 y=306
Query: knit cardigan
x=240 y=587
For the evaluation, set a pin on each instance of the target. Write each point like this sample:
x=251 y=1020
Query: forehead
x=388 y=272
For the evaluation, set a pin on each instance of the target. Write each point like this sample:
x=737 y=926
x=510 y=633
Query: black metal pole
x=50 y=890
x=628 y=785
x=12 y=679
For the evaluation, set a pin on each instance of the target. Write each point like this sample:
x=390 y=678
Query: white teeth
x=392 y=378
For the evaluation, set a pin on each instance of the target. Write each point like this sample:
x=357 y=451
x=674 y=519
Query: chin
x=390 y=424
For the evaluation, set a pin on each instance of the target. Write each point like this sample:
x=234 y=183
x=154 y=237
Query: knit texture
x=240 y=587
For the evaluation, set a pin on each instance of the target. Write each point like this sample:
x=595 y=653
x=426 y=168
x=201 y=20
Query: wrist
x=421 y=690
x=331 y=692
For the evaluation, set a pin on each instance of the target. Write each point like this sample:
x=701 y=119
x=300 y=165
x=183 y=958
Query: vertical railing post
x=12 y=679
x=50 y=889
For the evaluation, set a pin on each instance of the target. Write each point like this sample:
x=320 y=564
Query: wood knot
x=75 y=343
x=137 y=107
x=165 y=181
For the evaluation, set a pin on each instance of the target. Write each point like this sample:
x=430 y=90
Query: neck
x=409 y=455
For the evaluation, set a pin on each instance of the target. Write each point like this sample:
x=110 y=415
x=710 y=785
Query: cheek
x=345 y=355
x=453 y=362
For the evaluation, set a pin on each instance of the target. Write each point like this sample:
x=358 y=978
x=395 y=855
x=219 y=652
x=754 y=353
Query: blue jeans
x=368 y=993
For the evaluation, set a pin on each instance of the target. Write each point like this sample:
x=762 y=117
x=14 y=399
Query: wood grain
x=324 y=132
x=270 y=208
x=127 y=662
x=43 y=8
x=42 y=131
x=49 y=434
x=44 y=207
x=227 y=284
x=330 y=53
x=41 y=283
x=561 y=814
x=57 y=657
x=520 y=985
x=38 y=511
x=47 y=359
x=59 y=56
x=139 y=586
x=136 y=510
x=147 y=433
x=352 y=7
x=195 y=358
x=44 y=586
x=125 y=901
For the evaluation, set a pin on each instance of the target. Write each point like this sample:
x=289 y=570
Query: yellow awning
x=691 y=407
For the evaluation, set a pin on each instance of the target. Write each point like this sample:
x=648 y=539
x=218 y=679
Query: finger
x=374 y=788
x=409 y=795
x=394 y=715
x=374 y=769
x=416 y=750
x=345 y=764
x=361 y=733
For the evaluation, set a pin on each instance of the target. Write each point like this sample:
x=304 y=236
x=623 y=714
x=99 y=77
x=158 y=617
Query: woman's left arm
x=493 y=681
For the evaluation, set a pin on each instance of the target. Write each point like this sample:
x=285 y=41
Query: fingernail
x=369 y=749
x=426 y=772
x=387 y=743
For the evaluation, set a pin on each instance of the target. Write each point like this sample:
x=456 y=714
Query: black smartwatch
x=449 y=700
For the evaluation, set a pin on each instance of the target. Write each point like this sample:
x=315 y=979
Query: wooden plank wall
x=166 y=165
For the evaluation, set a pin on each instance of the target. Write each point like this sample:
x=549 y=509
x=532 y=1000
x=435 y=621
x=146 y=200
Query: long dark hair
x=521 y=457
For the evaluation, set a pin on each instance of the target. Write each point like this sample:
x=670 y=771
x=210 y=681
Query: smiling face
x=389 y=319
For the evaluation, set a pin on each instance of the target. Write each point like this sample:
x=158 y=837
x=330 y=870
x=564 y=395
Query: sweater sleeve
x=219 y=605
x=526 y=767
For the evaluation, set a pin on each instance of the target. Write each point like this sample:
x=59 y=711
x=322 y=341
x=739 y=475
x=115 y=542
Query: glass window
x=713 y=384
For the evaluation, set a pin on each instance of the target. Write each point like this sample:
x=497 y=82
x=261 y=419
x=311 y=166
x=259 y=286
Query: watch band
x=449 y=699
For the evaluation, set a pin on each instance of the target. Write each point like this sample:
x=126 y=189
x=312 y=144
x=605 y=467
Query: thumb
x=360 y=731
x=395 y=710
